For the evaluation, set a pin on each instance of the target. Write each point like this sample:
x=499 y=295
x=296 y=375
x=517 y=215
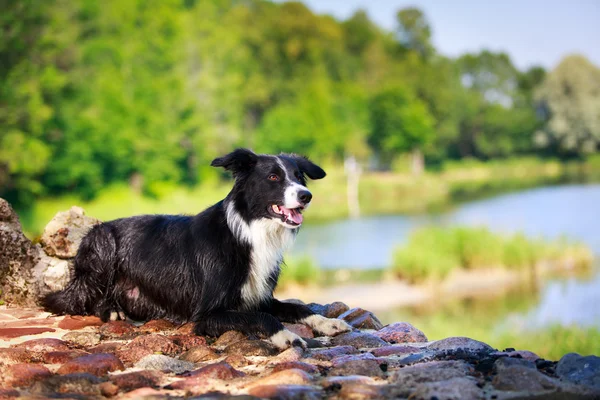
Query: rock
x=62 y=236
x=129 y=381
x=186 y=329
x=335 y=309
x=357 y=366
x=80 y=384
x=164 y=363
x=451 y=389
x=522 y=378
x=434 y=371
x=358 y=340
x=199 y=354
x=117 y=330
x=157 y=325
x=237 y=360
x=580 y=370
x=394 y=350
x=361 y=319
x=18 y=257
x=332 y=352
x=44 y=345
x=286 y=392
x=252 y=348
x=286 y=377
x=143 y=346
x=347 y=380
x=61 y=357
x=353 y=387
x=528 y=355
x=456 y=343
x=21 y=375
x=106 y=347
x=317 y=308
x=78 y=322
x=228 y=338
x=16 y=355
x=145 y=394
x=95 y=364
x=220 y=370
x=9 y=333
x=50 y=274
x=401 y=332
x=188 y=341
x=503 y=363
x=85 y=339
x=9 y=393
x=311 y=369
x=300 y=330
x=291 y=354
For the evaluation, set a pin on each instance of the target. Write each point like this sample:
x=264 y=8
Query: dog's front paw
x=327 y=326
x=285 y=338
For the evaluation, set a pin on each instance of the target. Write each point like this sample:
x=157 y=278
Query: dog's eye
x=273 y=178
x=298 y=175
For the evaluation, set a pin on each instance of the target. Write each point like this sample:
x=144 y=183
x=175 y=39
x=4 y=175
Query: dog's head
x=269 y=186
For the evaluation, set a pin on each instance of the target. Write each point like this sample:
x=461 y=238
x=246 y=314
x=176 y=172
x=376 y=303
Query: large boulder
x=62 y=236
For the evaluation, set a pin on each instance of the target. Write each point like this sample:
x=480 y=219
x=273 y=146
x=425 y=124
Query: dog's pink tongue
x=293 y=215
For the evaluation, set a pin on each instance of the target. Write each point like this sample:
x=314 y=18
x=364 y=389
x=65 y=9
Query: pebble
x=143 y=346
x=300 y=330
x=10 y=333
x=580 y=370
x=401 y=332
x=358 y=340
x=163 y=363
x=522 y=378
x=16 y=355
x=252 y=348
x=39 y=345
x=311 y=369
x=332 y=352
x=117 y=329
x=21 y=375
x=365 y=367
x=286 y=392
x=85 y=339
x=220 y=370
x=199 y=354
x=464 y=343
x=292 y=376
x=451 y=389
x=61 y=357
x=394 y=350
x=228 y=338
x=78 y=322
x=77 y=383
x=361 y=319
x=129 y=381
x=95 y=364
x=157 y=325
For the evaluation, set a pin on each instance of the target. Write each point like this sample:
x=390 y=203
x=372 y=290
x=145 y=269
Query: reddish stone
x=188 y=341
x=24 y=323
x=300 y=330
x=286 y=392
x=228 y=338
x=157 y=325
x=311 y=369
x=401 y=332
x=95 y=364
x=108 y=389
x=186 y=329
x=330 y=353
x=61 y=357
x=9 y=393
x=43 y=345
x=220 y=370
x=143 y=346
x=362 y=319
x=335 y=309
x=341 y=360
x=237 y=360
x=286 y=377
x=135 y=380
x=9 y=333
x=144 y=393
x=16 y=355
x=116 y=329
x=21 y=375
x=392 y=350
x=106 y=347
x=78 y=322
x=524 y=354
x=199 y=354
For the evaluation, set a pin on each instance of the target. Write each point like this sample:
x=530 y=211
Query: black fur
x=188 y=268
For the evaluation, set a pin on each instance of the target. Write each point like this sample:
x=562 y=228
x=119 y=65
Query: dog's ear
x=238 y=160
x=307 y=167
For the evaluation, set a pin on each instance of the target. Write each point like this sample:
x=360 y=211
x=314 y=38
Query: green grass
x=298 y=270
x=431 y=253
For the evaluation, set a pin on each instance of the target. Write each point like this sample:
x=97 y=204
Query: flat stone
x=300 y=329
x=311 y=369
x=79 y=322
x=17 y=355
x=332 y=352
x=228 y=338
x=335 y=309
x=129 y=381
x=95 y=364
x=285 y=377
x=188 y=341
x=44 y=345
x=361 y=319
x=9 y=393
x=237 y=360
x=394 y=350
x=252 y=348
x=220 y=370
x=463 y=343
x=117 y=329
x=401 y=332
x=143 y=346
x=455 y=388
x=157 y=325
x=358 y=340
x=286 y=392
x=186 y=329
x=580 y=370
x=347 y=380
x=199 y=354
x=82 y=384
x=291 y=354
x=435 y=371
x=61 y=357
x=525 y=354
x=106 y=347
x=317 y=308
x=164 y=363
x=85 y=339
x=22 y=375
x=522 y=378
x=506 y=362
x=353 y=387
x=360 y=364
x=10 y=333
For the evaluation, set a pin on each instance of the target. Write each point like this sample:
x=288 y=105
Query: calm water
x=572 y=211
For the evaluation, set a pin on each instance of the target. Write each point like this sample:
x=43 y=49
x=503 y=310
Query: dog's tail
x=93 y=272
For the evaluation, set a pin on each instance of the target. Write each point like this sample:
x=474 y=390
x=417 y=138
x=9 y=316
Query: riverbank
x=381 y=193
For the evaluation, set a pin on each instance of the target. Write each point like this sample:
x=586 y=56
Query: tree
x=569 y=99
x=400 y=123
x=414 y=31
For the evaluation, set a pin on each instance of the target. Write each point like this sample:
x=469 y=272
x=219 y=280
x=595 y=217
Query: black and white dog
x=218 y=268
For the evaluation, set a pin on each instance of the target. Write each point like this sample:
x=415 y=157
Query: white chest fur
x=268 y=240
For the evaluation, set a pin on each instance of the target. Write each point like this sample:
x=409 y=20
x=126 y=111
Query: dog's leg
x=294 y=313
x=265 y=324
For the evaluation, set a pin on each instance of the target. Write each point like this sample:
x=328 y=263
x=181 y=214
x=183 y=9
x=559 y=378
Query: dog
x=217 y=269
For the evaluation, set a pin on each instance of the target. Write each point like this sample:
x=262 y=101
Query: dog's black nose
x=305 y=196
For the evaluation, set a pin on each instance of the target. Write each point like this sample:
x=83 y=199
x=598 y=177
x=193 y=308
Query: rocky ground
x=45 y=356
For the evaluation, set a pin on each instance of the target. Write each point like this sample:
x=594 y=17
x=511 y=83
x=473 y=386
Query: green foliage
x=433 y=252
x=299 y=270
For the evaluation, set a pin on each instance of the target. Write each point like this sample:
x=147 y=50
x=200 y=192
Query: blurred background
x=460 y=139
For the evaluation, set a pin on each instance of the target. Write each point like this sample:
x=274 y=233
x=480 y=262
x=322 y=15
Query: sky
x=532 y=32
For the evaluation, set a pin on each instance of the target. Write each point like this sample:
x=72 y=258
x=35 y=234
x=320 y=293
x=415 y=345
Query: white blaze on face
x=290 y=196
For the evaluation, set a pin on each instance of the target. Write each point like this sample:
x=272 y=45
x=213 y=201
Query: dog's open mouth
x=291 y=216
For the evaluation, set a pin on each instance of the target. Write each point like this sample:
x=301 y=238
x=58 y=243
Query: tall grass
x=431 y=253
x=301 y=270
